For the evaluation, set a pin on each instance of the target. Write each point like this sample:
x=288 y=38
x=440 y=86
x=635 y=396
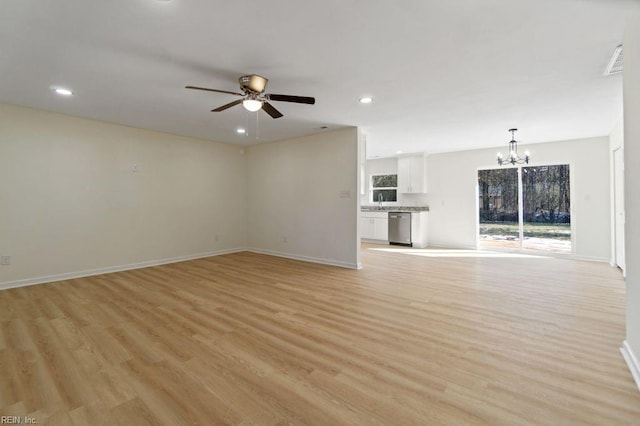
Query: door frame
x=619 y=255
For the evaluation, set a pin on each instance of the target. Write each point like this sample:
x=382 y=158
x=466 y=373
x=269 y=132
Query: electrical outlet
x=284 y=239
x=216 y=238
x=5 y=260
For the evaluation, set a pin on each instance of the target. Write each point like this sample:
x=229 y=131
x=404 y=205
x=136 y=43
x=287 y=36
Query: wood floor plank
x=134 y=412
x=417 y=337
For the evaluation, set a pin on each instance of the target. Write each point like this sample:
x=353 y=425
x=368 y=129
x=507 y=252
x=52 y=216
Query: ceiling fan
x=254 y=98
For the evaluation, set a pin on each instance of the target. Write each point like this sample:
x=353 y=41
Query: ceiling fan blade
x=269 y=109
x=214 y=90
x=227 y=106
x=288 y=98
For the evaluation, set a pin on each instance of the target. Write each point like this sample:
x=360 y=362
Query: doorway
x=525 y=208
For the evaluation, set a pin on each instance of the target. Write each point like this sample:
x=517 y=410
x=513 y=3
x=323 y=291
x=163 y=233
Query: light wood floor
x=251 y=339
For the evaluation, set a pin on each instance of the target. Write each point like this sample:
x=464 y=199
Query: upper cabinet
x=412 y=174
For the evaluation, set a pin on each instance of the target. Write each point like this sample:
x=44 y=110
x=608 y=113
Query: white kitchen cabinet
x=412 y=174
x=374 y=226
x=419 y=229
x=366 y=227
x=381 y=229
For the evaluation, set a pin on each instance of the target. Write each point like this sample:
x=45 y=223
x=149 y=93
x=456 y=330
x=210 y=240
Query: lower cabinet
x=366 y=227
x=374 y=226
x=419 y=229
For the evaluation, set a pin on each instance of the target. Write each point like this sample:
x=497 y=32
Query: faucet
x=380 y=200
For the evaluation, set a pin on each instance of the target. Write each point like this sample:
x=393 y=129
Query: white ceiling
x=445 y=75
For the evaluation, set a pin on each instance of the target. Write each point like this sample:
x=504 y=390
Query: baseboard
x=372 y=241
x=109 y=269
x=632 y=362
x=307 y=258
x=588 y=258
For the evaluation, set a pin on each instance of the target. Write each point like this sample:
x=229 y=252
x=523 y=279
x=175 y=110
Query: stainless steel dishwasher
x=400 y=228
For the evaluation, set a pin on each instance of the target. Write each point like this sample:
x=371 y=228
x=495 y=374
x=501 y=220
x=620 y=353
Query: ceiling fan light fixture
x=252 y=105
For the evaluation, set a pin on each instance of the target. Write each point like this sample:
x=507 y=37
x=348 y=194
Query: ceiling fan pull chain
x=246 y=116
x=257 y=126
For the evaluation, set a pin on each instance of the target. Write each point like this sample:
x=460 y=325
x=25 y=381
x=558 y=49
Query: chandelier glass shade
x=513 y=157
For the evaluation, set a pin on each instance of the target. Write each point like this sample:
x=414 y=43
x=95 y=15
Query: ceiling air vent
x=615 y=64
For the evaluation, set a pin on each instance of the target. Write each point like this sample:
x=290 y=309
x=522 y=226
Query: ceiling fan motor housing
x=253 y=83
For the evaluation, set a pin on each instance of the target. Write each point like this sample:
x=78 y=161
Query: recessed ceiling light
x=62 y=91
x=398 y=152
x=241 y=131
x=366 y=100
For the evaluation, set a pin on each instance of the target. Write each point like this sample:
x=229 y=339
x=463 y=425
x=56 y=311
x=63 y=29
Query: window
x=384 y=188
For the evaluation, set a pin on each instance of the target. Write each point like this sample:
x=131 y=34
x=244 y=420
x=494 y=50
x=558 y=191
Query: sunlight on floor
x=549 y=245
x=455 y=253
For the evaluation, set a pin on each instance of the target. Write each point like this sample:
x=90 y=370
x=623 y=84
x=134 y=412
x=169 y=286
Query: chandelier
x=513 y=156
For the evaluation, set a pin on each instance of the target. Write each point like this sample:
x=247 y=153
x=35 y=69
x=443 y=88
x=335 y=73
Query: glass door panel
x=498 y=217
x=546 y=208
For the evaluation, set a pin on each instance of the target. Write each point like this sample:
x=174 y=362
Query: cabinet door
x=381 y=229
x=404 y=175
x=411 y=175
x=417 y=174
x=366 y=227
x=419 y=229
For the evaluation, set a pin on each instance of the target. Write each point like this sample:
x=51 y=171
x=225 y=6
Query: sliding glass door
x=498 y=201
x=547 y=208
x=525 y=208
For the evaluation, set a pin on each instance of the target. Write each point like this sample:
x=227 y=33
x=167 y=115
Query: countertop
x=373 y=208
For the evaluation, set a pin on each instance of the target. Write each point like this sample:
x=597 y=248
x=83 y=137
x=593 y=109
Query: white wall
x=70 y=200
x=381 y=166
x=452 y=181
x=632 y=177
x=294 y=193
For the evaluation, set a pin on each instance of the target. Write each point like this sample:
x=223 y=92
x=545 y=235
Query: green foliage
x=545 y=192
x=384 y=181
